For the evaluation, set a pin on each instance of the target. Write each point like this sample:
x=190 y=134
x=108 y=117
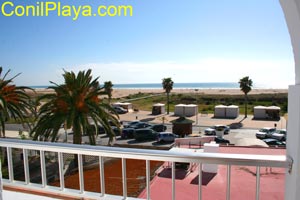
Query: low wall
x=194 y=140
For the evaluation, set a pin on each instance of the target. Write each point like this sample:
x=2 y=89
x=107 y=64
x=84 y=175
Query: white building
x=232 y=111
x=263 y=112
x=220 y=111
x=186 y=110
x=158 y=109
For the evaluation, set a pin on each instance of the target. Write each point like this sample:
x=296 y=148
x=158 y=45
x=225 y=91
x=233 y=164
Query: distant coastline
x=123 y=90
x=213 y=85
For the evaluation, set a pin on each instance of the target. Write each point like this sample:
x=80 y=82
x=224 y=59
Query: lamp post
x=197 y=112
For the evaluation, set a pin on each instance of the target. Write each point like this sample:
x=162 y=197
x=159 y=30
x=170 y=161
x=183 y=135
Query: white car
x=120 y=110
x=166 y=137
x=265 y=133
x=280 y=134
x=212 y=130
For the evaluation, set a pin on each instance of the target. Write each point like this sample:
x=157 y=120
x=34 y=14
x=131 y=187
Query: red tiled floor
x=243 y=181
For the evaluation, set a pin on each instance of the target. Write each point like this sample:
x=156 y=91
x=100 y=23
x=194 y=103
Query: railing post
x=26 y=166
x=228 y=182
x=257 y=182
x=10 y=165
x=61 y=171
x=124 y=180
x=200 y=181
x=173 y=180
x=148 y=178
x=43 y=168
x=102 y=177
x=80 y=171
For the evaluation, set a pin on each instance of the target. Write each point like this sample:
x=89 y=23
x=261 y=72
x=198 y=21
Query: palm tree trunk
x=246 y=105
x=2 y=128
x=168 y=98
x=77 y=139
x=76 y=132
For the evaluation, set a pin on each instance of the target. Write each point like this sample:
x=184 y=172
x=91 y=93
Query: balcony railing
x=124 y=153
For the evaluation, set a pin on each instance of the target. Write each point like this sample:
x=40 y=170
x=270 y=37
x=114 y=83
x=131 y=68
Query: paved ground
x=249 y=127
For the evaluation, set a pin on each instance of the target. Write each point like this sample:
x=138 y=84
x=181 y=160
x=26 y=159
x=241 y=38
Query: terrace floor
x=243 y=181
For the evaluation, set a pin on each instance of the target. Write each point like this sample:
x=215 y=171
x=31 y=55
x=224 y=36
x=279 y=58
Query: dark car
x=140 y=125
x=145 y=134
x=92 y=129
x=101 y=130
x=116 y=130
x=221 y=140
x=273 y=142
x=127 y=133
x=158 y=127
x=129 y=124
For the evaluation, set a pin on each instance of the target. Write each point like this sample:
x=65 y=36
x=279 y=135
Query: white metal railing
x=127 y=153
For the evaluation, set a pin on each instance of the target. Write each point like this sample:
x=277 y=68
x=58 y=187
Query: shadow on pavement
x=206 y=178
x=147 y=119
x=167 y=173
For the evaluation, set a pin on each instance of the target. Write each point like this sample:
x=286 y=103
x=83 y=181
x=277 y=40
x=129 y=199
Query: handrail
x=190 y=156
x=281 y=161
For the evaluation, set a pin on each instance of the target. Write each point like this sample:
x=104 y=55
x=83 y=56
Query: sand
x=118 y=93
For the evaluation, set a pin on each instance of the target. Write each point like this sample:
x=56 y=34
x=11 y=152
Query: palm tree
x=168 y=86
x=108 y=89
x=245 y=86
x=14 y=102
x=73 y=104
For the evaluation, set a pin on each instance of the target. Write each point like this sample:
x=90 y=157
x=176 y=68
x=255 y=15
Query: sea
x=213 y=85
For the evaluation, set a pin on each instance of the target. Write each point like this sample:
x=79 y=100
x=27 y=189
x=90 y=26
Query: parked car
x=166 y=137
x=145 y=134
x=221 y=140
x=280 y=134
x=272 y=142
x=100 y=129
x=265 y=133
x=130 y=124
x=127 y=133
x=140 y=125
x=92 y=128
x=116 y=130
x=158 y=127
x=111 y=123
x=120 y=110
x=212 y=130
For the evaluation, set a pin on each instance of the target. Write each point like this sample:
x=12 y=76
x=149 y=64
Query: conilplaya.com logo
x=44 y=9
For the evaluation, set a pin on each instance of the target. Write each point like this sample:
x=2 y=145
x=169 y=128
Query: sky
x=189 y=41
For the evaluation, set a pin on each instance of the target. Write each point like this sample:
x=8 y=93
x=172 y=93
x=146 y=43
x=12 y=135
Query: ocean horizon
x=213 y=85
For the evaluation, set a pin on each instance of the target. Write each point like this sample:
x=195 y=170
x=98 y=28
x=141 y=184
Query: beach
x=119 y=93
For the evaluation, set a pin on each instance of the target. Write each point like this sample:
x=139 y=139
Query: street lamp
x=197 y=112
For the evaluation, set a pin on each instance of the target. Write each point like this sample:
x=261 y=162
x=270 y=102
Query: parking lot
x=248 y=128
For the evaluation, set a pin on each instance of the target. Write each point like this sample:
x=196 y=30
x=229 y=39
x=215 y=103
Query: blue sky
x=190 y=41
